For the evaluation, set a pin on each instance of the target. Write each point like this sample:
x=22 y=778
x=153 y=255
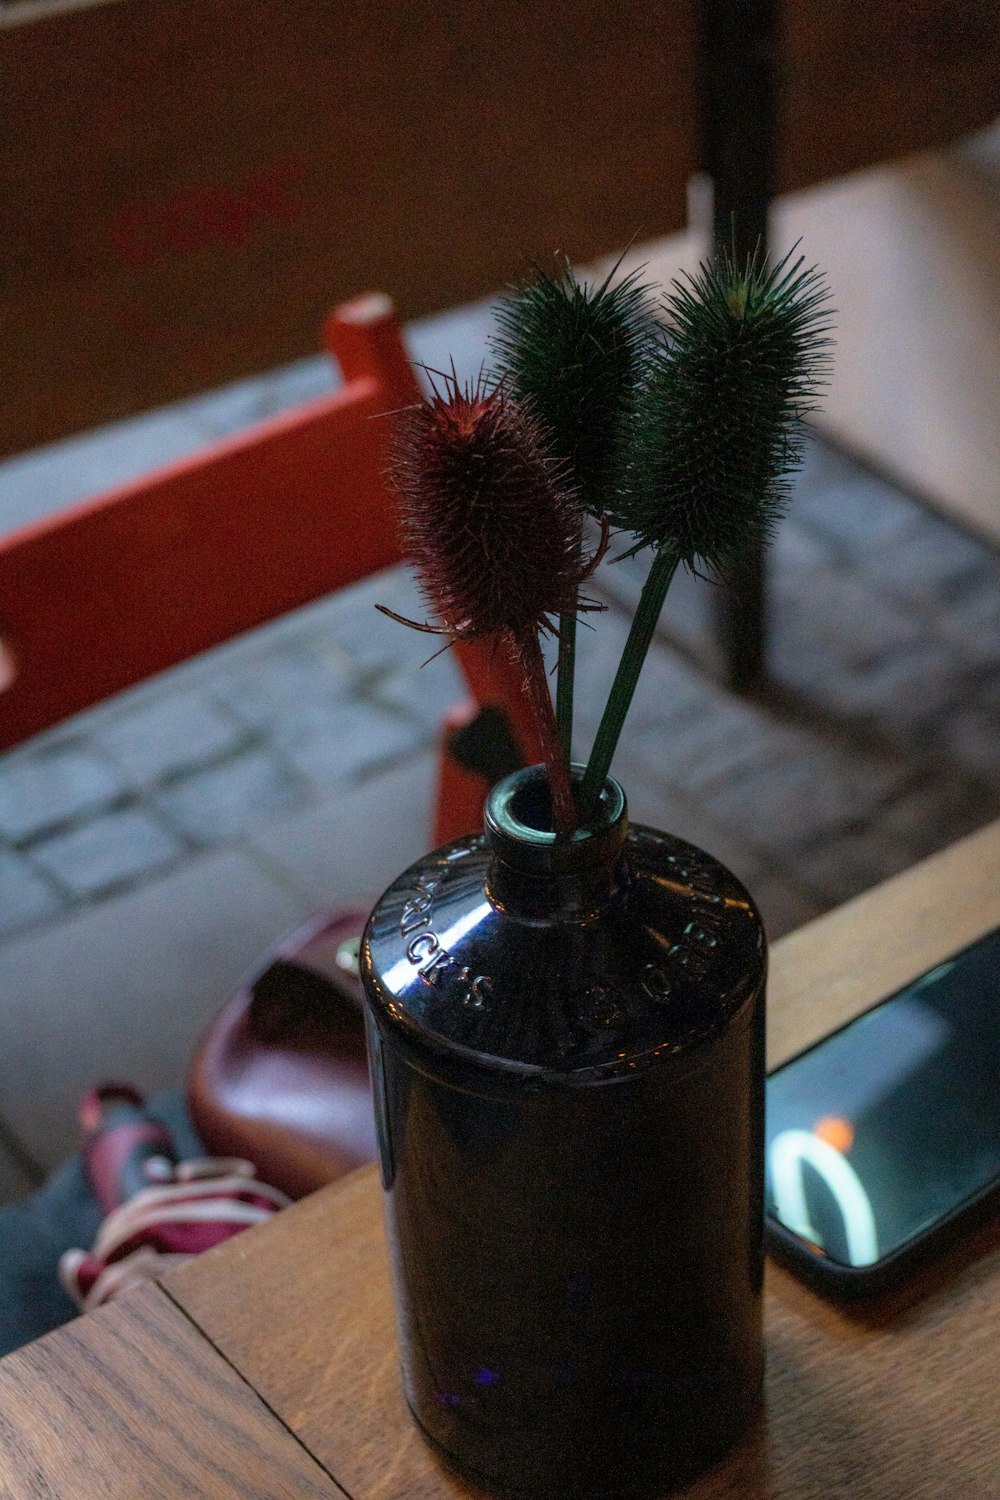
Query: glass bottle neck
x=538 y=876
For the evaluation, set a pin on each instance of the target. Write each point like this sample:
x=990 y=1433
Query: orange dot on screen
x=836 y=1132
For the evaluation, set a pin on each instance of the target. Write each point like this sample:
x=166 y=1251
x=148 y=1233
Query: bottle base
x=652 y=1483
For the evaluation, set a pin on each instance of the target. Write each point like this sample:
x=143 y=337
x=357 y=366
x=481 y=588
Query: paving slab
x=335 y=744
x=261 y=687
x=232 y=408
x=14 y=1181
x=833 y=868
x=352 y=844
x=349 y=627
x=782 y=806
x=971 y=739
x=972 y=621
x=932 y=564
x=849 y=506
x=937 y=810
x=905 y=696
x=823 y=618
x=25 y=897
x=108 y=853
x=424 y=693
x=716 y=743
x=124 y=989
x=36 y=484
x=219 y=803
x=42 y=790
x=168 y=734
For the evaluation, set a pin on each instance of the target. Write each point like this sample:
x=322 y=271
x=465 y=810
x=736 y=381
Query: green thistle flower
x=717 y=430
x=719 y=424
x=576 y=355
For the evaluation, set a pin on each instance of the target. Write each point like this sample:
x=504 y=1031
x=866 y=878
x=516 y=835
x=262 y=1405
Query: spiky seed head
x=575 y=353
x=720 y=422
x=487 y=516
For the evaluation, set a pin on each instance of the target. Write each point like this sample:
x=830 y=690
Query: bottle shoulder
x=667 y=958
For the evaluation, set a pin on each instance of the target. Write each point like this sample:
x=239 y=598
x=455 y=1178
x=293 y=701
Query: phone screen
x=893 y=1122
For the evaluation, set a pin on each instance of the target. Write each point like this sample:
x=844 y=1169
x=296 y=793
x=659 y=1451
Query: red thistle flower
x=493 y=528
x=488 y=517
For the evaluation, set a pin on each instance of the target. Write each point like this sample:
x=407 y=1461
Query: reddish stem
x=564 y=817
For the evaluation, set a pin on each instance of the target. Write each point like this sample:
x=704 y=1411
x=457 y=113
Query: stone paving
x=876 y=742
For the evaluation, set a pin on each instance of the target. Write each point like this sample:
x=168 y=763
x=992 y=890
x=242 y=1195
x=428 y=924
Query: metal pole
x=739 y=39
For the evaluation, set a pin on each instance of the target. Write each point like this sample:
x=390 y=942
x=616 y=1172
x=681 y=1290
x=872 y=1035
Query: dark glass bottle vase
x=567 y=1049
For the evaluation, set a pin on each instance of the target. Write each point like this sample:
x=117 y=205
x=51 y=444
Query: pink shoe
x=160 y=1211
x=124 y=1148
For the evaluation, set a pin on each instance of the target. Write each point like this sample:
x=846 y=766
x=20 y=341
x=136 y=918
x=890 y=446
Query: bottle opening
x=519 y=823
x=531 y=805
x=525 y=800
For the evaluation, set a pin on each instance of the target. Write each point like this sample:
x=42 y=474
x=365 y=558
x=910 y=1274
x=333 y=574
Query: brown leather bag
x=281 y=1076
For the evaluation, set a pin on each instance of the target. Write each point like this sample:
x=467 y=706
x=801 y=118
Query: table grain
x=132 y=1403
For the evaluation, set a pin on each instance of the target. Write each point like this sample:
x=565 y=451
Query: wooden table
x=267 y=1368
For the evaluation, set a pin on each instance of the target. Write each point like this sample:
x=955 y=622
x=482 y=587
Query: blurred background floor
x=151 y=850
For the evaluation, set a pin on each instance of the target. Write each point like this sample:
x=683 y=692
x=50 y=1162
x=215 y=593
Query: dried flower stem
x=564 y=818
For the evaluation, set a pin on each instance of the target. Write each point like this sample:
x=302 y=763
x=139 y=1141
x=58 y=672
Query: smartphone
x=883 y=1138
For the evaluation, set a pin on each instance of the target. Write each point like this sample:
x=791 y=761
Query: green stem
x=564 y=681
x=654 y=591
x=565 y=671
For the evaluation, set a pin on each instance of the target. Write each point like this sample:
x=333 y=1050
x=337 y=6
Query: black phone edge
x=844 y=1283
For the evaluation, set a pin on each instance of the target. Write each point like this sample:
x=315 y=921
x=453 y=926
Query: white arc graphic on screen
x=788 y=1152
